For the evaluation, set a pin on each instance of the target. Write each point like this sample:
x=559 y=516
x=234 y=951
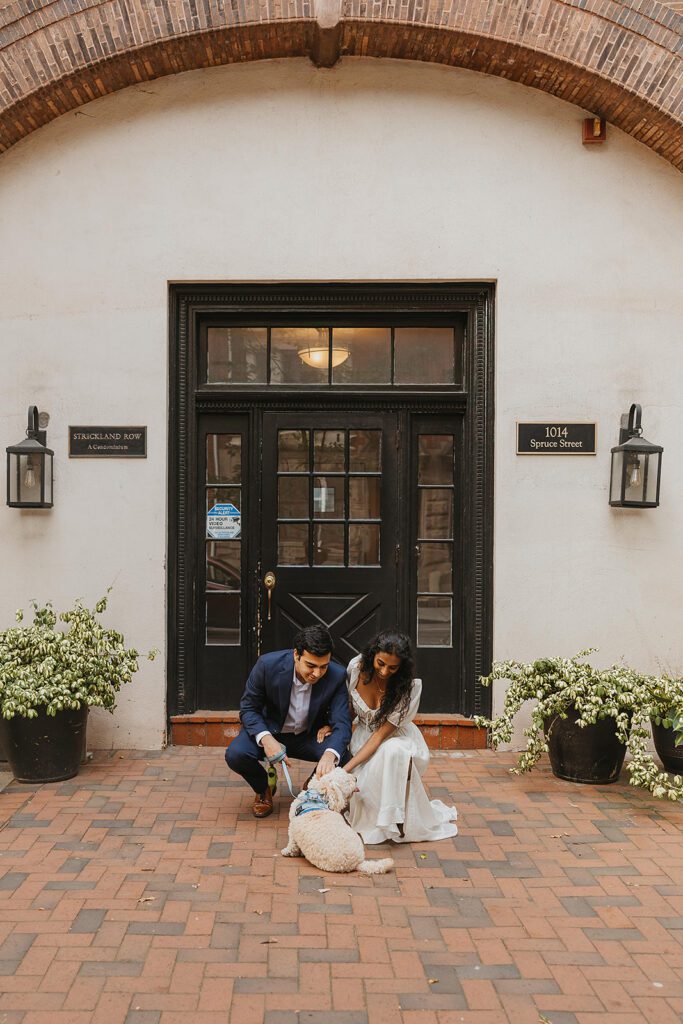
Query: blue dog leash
x=272 y=770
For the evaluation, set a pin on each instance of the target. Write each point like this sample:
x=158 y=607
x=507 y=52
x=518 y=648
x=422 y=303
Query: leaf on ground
x=432 y=981
x=147 y=899
x=423 y=856
x=267 y=942
x=323 y=890
x=259 y=912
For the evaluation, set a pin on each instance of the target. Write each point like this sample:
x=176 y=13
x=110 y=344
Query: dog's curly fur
x=323 y=837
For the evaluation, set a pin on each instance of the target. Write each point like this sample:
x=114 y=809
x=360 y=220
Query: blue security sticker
x=224 y=522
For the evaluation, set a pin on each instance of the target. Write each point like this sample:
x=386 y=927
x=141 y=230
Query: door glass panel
x=435 y=514
x=293 y=497
x=299 y=355
x=364 y=497
x=424 y=355
x=364 y=544
x=435 y=459
x=361 y=355
x=365 y=448
x=223 y=458
x=328 y=451
x=223 y=496
x=292 y=451
x=435 y=568
x=222 y=618
x=223 y=560
x=328 y=544
x=328 y=497
x=236 y=355
x=292 y=544
x=434 y=627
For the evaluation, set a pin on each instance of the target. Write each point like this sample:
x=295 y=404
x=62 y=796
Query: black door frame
x=189 y=303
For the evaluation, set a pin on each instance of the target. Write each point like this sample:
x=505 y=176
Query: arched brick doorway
x=618 y=60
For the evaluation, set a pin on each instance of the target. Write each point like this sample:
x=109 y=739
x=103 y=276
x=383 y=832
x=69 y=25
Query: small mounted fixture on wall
x=30 y=468
x=636 y=467
x=594 y=129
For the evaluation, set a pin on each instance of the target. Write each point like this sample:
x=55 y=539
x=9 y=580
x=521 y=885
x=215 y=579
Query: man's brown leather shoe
x=263 y=805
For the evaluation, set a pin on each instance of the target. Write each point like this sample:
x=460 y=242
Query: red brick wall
x=619 y=60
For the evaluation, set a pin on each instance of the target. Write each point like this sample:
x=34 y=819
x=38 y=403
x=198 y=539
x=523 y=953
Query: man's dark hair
x=314 y=639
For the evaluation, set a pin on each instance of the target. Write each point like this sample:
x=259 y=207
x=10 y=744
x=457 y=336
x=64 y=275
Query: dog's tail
x=375 y=867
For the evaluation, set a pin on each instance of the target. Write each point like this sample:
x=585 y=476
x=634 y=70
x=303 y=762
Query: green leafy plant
x=630 y=698
x=57 y=669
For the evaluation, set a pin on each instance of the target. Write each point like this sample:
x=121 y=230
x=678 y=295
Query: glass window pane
x=292 y=544
x=223 y=458
x=328 y=451
x=292 y=500
x=299 y=355
x=365 y=448
x=435 y=568
x=236 y=355
x=328 y=544
x=224 y=496
x=292 y=451
x=328 y=497
x=435 y=459
x=434 y=621
x=364 y=497
x=435 y=515
x=364 y=544
x=223 y=618
x=361 y=355
x=423 y=355
x=223 y=561
x=650 y=470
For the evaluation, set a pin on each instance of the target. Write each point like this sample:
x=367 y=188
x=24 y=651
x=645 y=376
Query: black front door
x=329 y=543
x=336 y=441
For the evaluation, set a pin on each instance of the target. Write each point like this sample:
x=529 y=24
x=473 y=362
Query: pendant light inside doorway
x=318 y=353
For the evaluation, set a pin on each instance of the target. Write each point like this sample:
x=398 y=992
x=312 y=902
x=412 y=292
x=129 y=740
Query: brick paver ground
x=143 y=892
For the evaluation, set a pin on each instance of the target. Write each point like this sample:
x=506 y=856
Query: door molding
x=187 y=305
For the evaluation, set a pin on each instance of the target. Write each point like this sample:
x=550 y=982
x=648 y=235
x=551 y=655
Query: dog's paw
x=289 y=852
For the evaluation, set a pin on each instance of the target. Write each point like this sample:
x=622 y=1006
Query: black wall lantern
x=636 y=467
x=29 y=468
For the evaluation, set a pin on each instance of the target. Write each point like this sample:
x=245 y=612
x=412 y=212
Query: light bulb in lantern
x=634 y=476
x=30 y=476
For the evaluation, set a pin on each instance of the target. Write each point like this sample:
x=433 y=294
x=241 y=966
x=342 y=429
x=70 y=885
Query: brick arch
x=620 y=59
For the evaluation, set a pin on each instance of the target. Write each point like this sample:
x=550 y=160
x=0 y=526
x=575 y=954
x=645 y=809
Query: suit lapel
x=284 y=688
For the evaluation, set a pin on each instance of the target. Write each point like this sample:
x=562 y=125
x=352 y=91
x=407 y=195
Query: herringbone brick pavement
x=143 y=892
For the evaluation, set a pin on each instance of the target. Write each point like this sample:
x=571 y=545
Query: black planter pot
x=46 y=748
x=669 y=754
x=592 y=755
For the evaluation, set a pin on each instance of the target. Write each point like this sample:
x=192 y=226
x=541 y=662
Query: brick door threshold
x=218 y=728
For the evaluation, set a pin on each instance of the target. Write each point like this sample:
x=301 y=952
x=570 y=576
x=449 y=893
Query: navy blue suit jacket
x=266 y=697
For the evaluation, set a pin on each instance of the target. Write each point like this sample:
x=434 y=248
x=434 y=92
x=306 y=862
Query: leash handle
x=280 y=758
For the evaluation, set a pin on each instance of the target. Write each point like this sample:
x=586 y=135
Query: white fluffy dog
x=319 y=832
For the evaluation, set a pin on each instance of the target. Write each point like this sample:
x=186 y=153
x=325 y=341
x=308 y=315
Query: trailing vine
x=60 y=669
x=619 y=692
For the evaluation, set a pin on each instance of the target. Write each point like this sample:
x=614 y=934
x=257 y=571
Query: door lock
x=269 y=584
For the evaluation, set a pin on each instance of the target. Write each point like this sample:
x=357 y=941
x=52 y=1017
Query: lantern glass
x=635 y=478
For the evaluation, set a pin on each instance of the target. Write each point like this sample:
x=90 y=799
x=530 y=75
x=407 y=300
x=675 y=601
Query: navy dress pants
x=244 y=755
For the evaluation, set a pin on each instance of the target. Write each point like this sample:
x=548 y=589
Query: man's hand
x=326 y=763
x=271 y=747
x=324 y=731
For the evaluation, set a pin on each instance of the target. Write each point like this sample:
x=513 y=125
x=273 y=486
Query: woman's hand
x=323 y=733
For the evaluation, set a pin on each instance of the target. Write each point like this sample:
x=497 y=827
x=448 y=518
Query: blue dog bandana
x=311 y=800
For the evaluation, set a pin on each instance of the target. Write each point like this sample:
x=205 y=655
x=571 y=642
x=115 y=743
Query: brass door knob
x=269 y=584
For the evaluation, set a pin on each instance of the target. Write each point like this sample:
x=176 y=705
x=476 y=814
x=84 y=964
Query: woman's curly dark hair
x=397 y=696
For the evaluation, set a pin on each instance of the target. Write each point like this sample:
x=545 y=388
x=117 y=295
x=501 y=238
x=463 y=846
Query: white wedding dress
x=386 y=795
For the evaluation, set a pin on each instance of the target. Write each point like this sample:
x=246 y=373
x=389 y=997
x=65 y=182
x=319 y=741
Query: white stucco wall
x=373 y=170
